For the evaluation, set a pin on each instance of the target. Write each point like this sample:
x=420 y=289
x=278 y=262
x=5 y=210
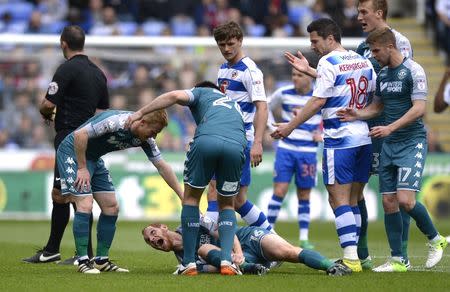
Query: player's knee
x=390 y=204
x=407 y=204
x=84 y=204
x=58 y=198
x=111 y=208
x=332 y=202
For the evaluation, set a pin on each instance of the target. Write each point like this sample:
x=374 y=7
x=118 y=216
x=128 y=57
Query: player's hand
x=238 y=258
x=283 y=130
x=380 y=131
x=256 y=154
x=83 y=181
x=48 y=118
x=132 y=118
x=347 y=114
x=300 y=63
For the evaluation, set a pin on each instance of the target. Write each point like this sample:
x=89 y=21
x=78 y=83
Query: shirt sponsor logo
x=224 y=85
x=353 y=66
x=394 y=86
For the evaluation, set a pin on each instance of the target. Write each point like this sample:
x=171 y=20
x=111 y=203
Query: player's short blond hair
x=157 y=117
x=383 y=36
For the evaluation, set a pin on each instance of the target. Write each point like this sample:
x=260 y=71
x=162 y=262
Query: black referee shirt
x=78 y=88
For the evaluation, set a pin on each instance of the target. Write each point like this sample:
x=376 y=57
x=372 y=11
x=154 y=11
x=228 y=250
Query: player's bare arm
x=169 y=176
x=80 y=145
x=311 y=108
x=259 y=122
x=439 y=104
x=300 y=63
x=161 y=102
x=415 y=112
x=349 y=114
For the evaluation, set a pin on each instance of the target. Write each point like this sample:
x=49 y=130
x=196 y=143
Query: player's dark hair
x=383 y=36
x=207 y=84
x=378 y=5
x=324 y=28
x=74 y=36
x=228 y=31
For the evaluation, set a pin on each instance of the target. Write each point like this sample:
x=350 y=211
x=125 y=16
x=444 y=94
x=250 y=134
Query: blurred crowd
x=174 y=17
x=437 y=21
x=136 y=76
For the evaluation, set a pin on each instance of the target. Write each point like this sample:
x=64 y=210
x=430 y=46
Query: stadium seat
x=182 y=25
x=55 y=27
x=256 y=30
x=18 y=27
x=296 y=12
x=153 y=27
x=127 y=27
x=20 y=10
x=288 y=29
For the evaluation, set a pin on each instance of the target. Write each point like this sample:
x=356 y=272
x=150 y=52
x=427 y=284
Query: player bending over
x=85 y=178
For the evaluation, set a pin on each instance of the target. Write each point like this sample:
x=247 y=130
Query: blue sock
x=406 y=220
x=212 y=211
x=274 y=208
x=303 y=215
x=313 y=259
x=393 y=225
x=213 y=258
x=253 y=216
x=423 y=220
x=357 y=215
x=227 y=225
x=81 y=232
x=345 y=225
x=363 y=250
x=190 y=224
x=106 y=228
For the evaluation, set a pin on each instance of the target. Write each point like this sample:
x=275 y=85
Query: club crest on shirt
x=52 y=88
x=234 y=74
x=402 y=74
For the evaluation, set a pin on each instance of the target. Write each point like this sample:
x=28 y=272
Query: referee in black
x=78 y=91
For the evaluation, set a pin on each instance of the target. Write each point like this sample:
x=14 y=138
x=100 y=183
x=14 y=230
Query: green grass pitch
x=151 y=270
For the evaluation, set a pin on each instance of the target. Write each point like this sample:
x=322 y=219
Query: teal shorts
x=209 y=155
x=100 y=179
x=377 y=143
x=401 y=165
x=250 y=238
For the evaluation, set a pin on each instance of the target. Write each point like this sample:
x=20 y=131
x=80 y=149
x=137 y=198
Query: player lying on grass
x=259 y=248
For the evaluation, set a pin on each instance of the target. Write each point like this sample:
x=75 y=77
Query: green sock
x=363 y=250
x=190 y=224
x=106 y=228
x=213 y=258
x=423 y=220
x=227 y=224
x=406 y=219
x=315 y=260
x=81 y=232
x=393 y=226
